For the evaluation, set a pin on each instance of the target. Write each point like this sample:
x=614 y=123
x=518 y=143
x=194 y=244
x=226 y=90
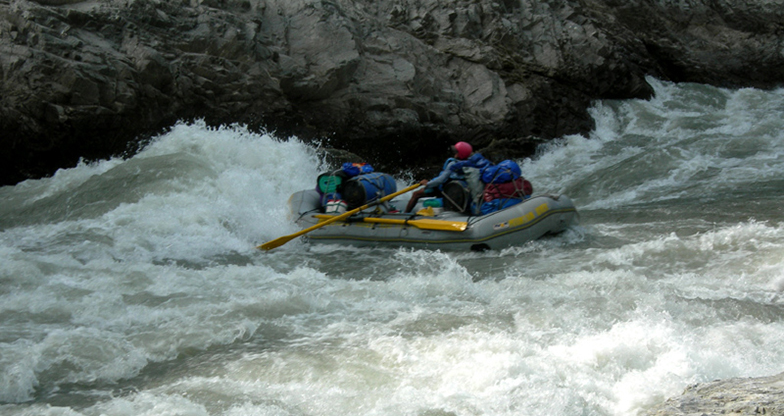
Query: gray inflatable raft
x=532 y=219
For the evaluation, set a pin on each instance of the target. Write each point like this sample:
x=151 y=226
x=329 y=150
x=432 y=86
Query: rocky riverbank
x=393 y=81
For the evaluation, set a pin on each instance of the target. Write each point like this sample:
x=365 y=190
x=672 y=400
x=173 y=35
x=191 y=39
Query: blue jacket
x=447 y=173
x=475 y=161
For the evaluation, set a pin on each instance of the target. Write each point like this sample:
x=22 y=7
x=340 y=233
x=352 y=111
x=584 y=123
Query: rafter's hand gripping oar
x=269 y=245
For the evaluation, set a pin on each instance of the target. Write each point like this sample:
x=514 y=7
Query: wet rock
x=394 y=81
x=737 y=396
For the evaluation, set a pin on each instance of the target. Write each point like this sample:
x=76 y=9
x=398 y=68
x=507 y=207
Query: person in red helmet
x=462 y=152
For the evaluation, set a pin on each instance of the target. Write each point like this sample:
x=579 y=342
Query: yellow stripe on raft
x=518 y=221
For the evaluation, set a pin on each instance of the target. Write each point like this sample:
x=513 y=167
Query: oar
x=269 y=245
x=423 y=223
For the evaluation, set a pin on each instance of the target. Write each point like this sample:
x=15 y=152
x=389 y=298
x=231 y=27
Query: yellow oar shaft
x=426 y=224
x=285 y=239
x=423 y=223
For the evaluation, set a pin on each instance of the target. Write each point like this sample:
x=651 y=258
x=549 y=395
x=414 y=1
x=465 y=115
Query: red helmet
x=464 y=150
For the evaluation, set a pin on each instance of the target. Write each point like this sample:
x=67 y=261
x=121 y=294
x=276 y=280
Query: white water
x=133 y=287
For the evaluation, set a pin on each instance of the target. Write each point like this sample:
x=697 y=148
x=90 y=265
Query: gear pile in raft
x=471 y=205
x=476 y=191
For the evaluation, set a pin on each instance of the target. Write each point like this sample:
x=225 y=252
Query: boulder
x=735 y=396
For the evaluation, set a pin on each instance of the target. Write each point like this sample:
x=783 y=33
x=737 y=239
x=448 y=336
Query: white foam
x=607 y=319
x=654 y=150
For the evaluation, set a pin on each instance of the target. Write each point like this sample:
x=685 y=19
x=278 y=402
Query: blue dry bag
x=504 y=172
x=366 y=188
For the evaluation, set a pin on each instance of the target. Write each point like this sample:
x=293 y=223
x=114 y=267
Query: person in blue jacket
x=476 y=160
x=464 y=156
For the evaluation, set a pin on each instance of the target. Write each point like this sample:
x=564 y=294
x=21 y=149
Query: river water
x=132 y=287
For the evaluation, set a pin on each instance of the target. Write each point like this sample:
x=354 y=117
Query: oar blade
x=441 y=225
x=269 y=245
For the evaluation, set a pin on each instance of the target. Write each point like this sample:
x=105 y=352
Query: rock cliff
x=394 y=81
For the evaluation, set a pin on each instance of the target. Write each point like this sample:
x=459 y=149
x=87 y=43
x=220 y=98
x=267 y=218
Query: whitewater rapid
x=133 y=286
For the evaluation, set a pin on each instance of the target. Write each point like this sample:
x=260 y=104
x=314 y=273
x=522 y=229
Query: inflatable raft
x=445 y=230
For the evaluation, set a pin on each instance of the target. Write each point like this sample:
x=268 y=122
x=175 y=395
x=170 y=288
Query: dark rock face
x=394 y=81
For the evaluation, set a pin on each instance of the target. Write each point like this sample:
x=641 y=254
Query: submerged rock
x=394 y=81
x=737 y=396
